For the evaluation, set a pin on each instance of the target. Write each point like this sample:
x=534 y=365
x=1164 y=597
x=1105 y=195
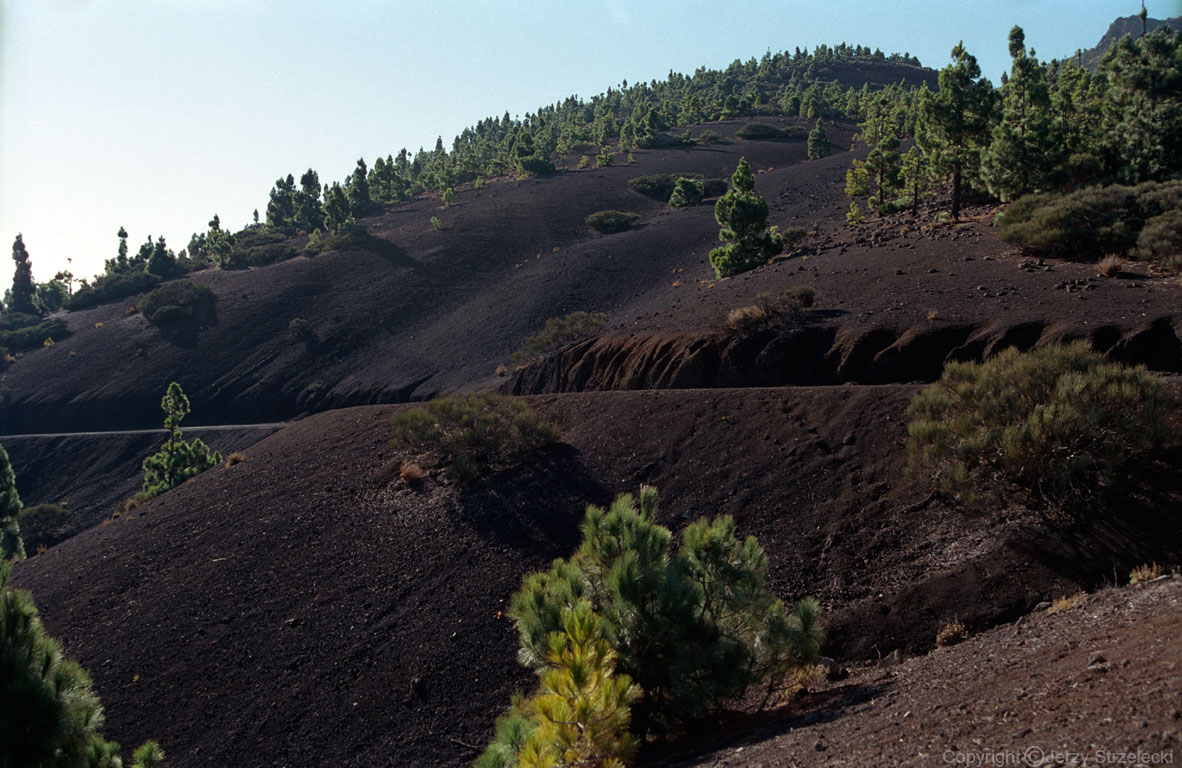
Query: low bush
x=765 y=132
x=1161 y=239
x=660 y=186
x=470 y=435
x=14 y=321
x=713 y=187
x=660 y=140
x=179 y=303
x=41 y=525
x=1057 y=421
x=610 y=222
x=559 y=332
x=350 y=235
x=1094 y=221
x=109 y=288
x=708 y=137
x=693 y=627
x=771 y=310
x=33 y=336
x=687 y=192
x=534 y=165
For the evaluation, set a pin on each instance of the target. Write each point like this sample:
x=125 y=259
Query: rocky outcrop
x=805 y=355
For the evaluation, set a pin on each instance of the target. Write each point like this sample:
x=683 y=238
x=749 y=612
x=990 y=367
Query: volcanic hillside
x=305 y=606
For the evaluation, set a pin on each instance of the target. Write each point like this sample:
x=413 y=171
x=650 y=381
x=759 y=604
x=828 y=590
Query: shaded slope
x=304 y=607
x=1094 y=685
x=91 y=474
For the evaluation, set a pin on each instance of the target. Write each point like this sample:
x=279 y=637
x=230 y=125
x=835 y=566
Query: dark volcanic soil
x=1097 y=684
x=278 y=612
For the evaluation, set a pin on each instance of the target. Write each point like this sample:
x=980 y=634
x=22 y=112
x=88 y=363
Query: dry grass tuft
x=234 y=458
x=502 y=370
x=411 y=473
x=1111 y=264
x=1144 y=573
x=1066 y=602
x=953 y=632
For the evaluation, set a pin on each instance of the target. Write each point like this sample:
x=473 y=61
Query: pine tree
x=23 y=288
x=956 y=123
x=916 y=176
x=819 y=145
x=1025 y=150
x=693 y=628
x=120 y=262
x=177 y=460
x=1143 y=106
x=336 y=208
x=742 y=216
x=49 y=712
x=10 y=499
x=360 y=202
x=309 y=213
x=581 y=713
x=51 y=715
x=281 y=207
x=162 y=262
x=11 y=544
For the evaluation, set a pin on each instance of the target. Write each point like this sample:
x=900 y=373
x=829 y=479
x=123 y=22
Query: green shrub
x=471 y=434
x=535 y=165
x=708 y=137
x=109 y=288
x=559 y=332
x=693 y=628
x=302 y=330
x=660 y=186
x=14 y=321
x=178 y=304
x=660 y=140
x=686 y=192
x=1089 y=222
x=350 y=235
x=609 y=222
x=605 y=157
x=33 y=336
x=41 y=524
x=1057 y=420
x=1161 y=239
x=765 y=132
x=713 y=187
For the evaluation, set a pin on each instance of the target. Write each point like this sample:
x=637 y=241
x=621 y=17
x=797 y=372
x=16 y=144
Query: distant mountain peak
x=1126 y=25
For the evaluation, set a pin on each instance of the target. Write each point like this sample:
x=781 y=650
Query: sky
x=155 y=114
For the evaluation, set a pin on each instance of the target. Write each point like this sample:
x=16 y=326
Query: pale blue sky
x=155 y=114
